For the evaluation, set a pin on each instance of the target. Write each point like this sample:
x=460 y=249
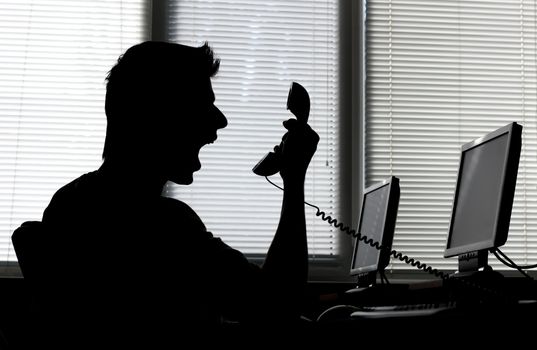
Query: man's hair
x=145 y=79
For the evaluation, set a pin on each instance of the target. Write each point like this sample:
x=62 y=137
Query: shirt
x=127 y=263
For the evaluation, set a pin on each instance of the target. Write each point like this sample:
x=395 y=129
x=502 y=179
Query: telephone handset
x=298 y=102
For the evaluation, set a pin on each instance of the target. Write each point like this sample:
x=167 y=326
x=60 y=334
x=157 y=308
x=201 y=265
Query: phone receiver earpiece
x=298 y=102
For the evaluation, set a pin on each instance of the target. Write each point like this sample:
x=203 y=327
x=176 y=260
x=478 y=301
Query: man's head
x=160 y=108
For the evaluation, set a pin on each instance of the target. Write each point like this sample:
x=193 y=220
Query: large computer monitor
x=377 y=221
x=484 y=197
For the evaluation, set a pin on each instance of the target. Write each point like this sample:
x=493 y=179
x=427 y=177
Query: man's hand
x=296 y=150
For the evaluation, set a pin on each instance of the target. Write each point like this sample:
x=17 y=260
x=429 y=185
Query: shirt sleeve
x=238 y=282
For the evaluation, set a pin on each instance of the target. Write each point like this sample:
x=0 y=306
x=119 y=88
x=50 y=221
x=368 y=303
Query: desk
x=483 y=325
x=459 y=329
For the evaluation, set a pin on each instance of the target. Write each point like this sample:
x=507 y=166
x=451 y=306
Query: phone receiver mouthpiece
x=268 y=165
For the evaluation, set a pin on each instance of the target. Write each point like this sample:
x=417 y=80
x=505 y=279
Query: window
x=264 y=46
x=440 y=74
x=55 y=56
x=52 y=102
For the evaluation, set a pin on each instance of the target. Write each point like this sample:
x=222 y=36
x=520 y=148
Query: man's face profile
x=195 y=124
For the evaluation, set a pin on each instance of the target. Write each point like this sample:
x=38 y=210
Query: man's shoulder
x=73 y=191
x=175 y=204
x=178 y=211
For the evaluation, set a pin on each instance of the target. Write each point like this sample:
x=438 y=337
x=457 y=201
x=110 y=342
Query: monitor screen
x=484 y=192
x=377 y=222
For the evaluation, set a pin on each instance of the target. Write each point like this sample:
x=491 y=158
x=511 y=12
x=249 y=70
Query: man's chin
x=184 y=175
x=182 y=180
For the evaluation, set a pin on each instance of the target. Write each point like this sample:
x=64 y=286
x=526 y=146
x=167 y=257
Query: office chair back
x=28 y=242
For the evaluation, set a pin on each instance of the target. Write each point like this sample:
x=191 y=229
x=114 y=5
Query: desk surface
x=508 y=298
x=455 y=328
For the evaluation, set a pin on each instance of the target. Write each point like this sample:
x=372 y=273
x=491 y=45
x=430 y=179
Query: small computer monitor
x=483 y=197
x=377 y=222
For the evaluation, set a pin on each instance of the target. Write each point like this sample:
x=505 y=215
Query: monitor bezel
x=390 y=216
x=508 y=181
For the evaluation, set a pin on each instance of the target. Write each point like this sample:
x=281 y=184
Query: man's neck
x=133 y=176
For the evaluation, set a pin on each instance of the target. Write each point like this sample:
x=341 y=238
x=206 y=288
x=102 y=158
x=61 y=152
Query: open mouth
x=212 y=140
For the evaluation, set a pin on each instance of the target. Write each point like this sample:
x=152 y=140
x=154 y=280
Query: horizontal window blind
x=263 y=47
x=55 y=57
x=440 y=74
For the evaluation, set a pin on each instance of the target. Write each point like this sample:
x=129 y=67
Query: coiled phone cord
x=398 y=255
x=377 y=245
x=370 y=241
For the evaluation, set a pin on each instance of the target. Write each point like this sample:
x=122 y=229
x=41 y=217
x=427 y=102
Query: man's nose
x=221 y=120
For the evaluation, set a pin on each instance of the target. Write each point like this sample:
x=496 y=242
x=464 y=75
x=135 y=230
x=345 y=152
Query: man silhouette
x=133 y=267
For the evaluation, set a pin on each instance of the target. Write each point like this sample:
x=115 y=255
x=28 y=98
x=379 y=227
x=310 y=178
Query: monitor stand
x=474 y=267
x=378 y=289
x=477 y=283
x=375 y=293
x=487 y=274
